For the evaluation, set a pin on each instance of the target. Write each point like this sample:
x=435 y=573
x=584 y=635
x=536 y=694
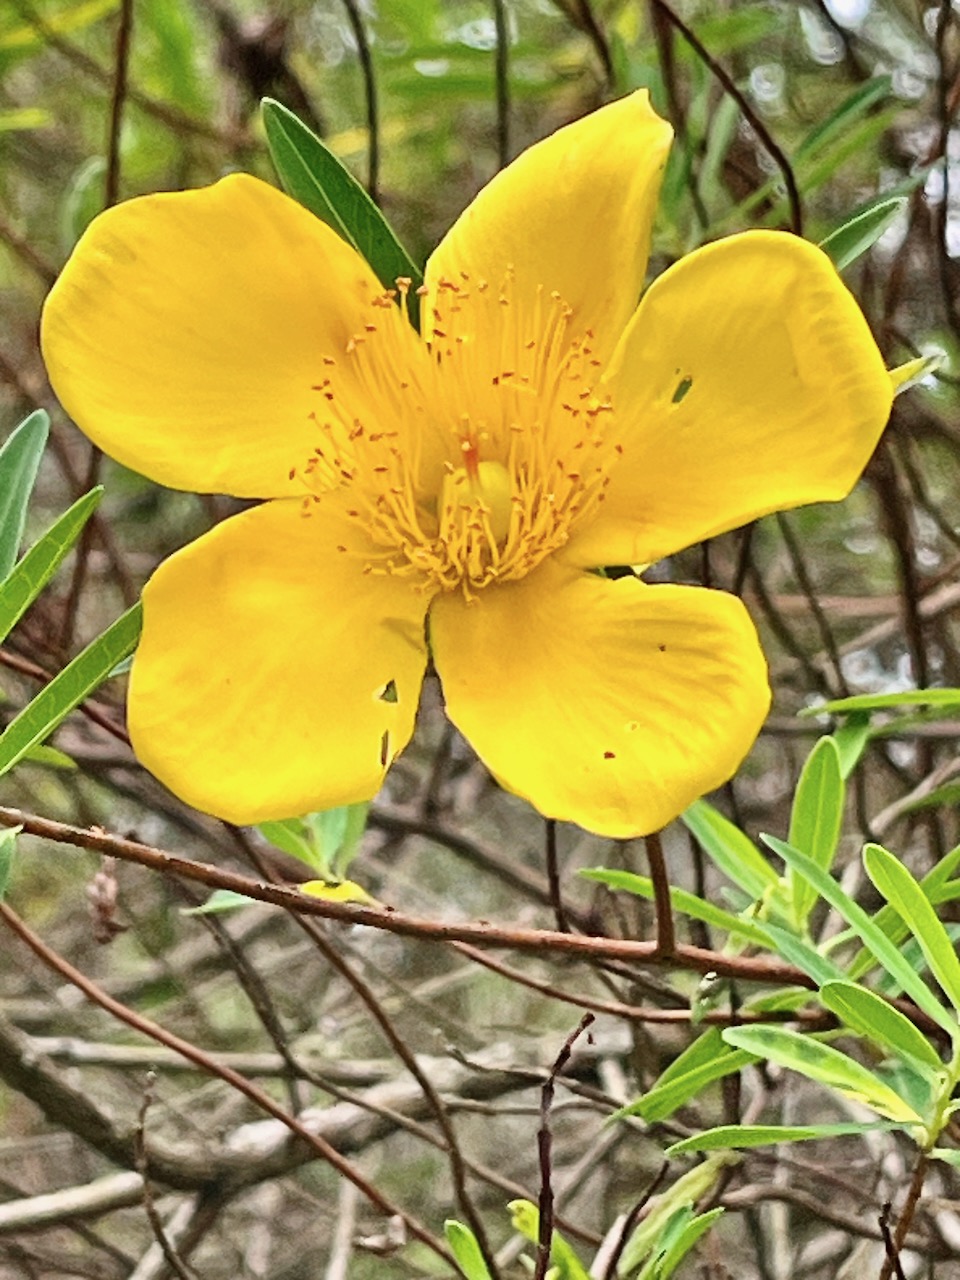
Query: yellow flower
x=456 y=495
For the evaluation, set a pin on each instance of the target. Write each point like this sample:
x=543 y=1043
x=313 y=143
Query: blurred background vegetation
x=788 y=113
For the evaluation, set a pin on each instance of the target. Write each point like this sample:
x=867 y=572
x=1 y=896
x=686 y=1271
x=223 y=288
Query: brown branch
x=747 y=968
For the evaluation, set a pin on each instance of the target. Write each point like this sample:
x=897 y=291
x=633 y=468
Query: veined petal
x=187 y=335
x=571 y=214
x=274 y=675
x=747 y=382
x=612 y=704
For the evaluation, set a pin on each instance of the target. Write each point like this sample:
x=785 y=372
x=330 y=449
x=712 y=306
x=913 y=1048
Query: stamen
x=476 y=463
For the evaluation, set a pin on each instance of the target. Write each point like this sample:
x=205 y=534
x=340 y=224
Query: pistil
x=530 y=443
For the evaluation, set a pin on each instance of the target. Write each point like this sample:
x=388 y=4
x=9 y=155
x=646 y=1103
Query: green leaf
x=668 y=1094
x=870 y=1015
x=884 y=951
x=670 y=1211
x=798 y=952
x=325 y=841
x=820 y=1062
x=734 y=853
x=526 y=1219
x=949 y=1155
x=684 y=901
x=815 y=820
x=51 y=758
x=688 y=1235
x=19 y=463
x=31 y=574
x=935 y=884
x=76 y=681
x=851 y=739
x=220 y=900
x=740 y=1136
x=909 y=901
x=22 y=118
x=879 y=701
x=8 y=852
x=858 y=234
x=289 y=836
x=337 y=834
x=312 y=174
x=464 y=1247
x=838 y=122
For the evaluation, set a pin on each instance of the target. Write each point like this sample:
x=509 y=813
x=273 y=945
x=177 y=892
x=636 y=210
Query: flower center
x=498 y=442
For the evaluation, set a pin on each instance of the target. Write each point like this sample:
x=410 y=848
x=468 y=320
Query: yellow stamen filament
x=507 y=445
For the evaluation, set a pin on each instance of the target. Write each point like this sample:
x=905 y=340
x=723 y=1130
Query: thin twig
x=544 y=1147
x=370 y=96
x=502 y=78
x=118 y=98
x=173 y=1260
x=764 y=136
x=396 y=1042
x=805 y=583
x=666 y=940
x=906 y=1217
x=630 y=1221
x=553 y=874
x=892 y=1256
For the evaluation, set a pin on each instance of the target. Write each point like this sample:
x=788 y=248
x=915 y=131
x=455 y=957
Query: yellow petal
x=571 y=214
x=187 y=334
x=748 y=382
x=274 y=676
x=612 y=704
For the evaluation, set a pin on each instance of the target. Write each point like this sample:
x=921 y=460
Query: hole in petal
x=389 y=692
x=609 y=755
x=385 y=749
x=683 y=386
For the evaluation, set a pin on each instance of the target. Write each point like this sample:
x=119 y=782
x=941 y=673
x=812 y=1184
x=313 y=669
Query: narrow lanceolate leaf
x=666 y=1211
x=815 y=820
x=734 y=853
x=288 y=834
x=909 y=901
x=820 y=1062
x=683 y=901
x=851 y=739
x=797 y=951
x=219 y=901
x=942 y=698
x=739 y=1136
x=869 y=932
x=312 y=174
x=688 y=1235
x=31 y=574
x=464 y=1247
x=861 y=232
x=875 y=1018
x=19 y=463
x=666 y=1096
x=75 y=682
x=8 y=851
